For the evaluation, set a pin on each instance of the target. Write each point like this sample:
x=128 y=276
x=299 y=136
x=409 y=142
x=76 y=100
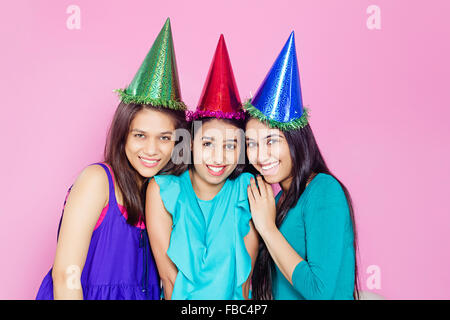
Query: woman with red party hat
x=200 y=228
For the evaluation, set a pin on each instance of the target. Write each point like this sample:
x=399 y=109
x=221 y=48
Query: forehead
x=150 y=120
x=216 y=128
x=256 y=129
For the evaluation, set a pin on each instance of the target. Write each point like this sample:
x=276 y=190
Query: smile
x=216 y=170
x=269 y=166
x=149 y=163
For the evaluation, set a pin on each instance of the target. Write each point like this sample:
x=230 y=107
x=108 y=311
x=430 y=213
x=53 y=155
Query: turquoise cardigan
x=320 y=230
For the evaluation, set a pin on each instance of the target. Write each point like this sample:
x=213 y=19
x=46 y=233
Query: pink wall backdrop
x=379 y=101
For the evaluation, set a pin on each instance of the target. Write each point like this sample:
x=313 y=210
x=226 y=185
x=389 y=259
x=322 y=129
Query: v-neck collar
x=191 y=187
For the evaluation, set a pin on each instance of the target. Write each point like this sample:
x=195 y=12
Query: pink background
x=379 y=102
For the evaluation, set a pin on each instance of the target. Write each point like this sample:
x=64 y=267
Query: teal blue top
x=320 y=229
x=207 y=240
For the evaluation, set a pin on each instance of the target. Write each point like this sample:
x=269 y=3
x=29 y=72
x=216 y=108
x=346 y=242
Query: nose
x=217 y=155
x=151 y=147
x=263 y=153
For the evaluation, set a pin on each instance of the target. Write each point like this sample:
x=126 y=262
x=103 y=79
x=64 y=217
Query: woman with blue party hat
x=308 y=230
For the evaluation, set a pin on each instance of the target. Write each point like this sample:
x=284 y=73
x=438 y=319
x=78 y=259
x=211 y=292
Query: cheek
x=201 y=170
x=131 y=146
x=252 y=155
x=275 y=152
x=232 y=156
x=286 y=160
x=166 y=148
x=198 y=153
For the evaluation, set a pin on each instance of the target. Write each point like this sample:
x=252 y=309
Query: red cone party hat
x=220 y=96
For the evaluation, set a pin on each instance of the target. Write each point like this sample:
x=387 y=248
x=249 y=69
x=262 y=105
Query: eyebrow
x=142 y=131
x=273 y=135
x=212 y=139
x=269 y=136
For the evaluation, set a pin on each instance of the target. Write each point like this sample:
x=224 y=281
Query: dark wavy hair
x=239 y=124
x=307 y=160
x=126 y=176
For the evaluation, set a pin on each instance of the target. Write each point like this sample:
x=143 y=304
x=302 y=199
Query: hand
x=262 y=205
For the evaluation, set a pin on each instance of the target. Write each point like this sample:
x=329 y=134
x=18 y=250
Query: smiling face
x=215 y=148
x=150 y=141
x=268 y=151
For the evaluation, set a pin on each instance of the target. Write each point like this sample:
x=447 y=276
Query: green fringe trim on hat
x=284 y=126
x=171 y=104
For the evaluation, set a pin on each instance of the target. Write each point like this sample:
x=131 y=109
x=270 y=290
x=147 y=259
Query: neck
x=139 y=180
x=286 y=184
x=203 y=189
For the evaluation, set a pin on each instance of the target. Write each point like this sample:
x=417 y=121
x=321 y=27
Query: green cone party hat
x=156 y=82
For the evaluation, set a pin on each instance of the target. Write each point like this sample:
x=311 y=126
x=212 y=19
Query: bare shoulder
x=154 y=204
x=84 y=204
x=153 y=190
x=93 y=180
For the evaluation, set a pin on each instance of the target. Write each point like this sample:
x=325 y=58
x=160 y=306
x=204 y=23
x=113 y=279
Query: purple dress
x=119 y=264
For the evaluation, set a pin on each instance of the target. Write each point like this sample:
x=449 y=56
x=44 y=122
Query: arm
x=84 y=204
x=326 y=224
x=284 y=256
x=263 y=208
x=251 y=244
x=159 y=226
x=325 y=228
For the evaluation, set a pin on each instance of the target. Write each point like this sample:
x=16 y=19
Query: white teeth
x=149 y=161
x=270 y=166
x=215 y=169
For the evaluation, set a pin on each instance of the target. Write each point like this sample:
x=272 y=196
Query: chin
x=272 y=179
x=216 y=180
x=148 y=172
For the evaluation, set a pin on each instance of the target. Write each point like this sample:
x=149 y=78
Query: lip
x=147 y=164
x=271 y=171
x=214 y=173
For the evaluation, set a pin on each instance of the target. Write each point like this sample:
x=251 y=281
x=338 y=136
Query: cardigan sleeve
x=327 y=221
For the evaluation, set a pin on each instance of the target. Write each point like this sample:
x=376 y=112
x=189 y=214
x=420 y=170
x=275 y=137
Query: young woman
x=199 y=223
x=103 y=250
x=308 y=231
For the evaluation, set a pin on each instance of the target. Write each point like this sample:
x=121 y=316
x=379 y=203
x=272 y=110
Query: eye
x=166 y=138
x=206 y=144
x=272 y=141
x=251 y=144
x=139 y=135
x=230 y=146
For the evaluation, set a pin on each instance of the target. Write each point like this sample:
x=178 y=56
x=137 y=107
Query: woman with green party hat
x=308 y=230
x=103 y=250
x=199 y=222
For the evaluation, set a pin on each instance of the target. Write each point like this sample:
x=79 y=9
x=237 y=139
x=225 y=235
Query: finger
x=269 y=190
x=262 y=186
x=251 y=200
x=254 y=188
x=251 y=197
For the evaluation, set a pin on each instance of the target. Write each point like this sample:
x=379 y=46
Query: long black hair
x=307 y=160
x=114 y=154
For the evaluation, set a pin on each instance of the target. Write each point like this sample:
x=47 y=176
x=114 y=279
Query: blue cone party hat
x=278 y=101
